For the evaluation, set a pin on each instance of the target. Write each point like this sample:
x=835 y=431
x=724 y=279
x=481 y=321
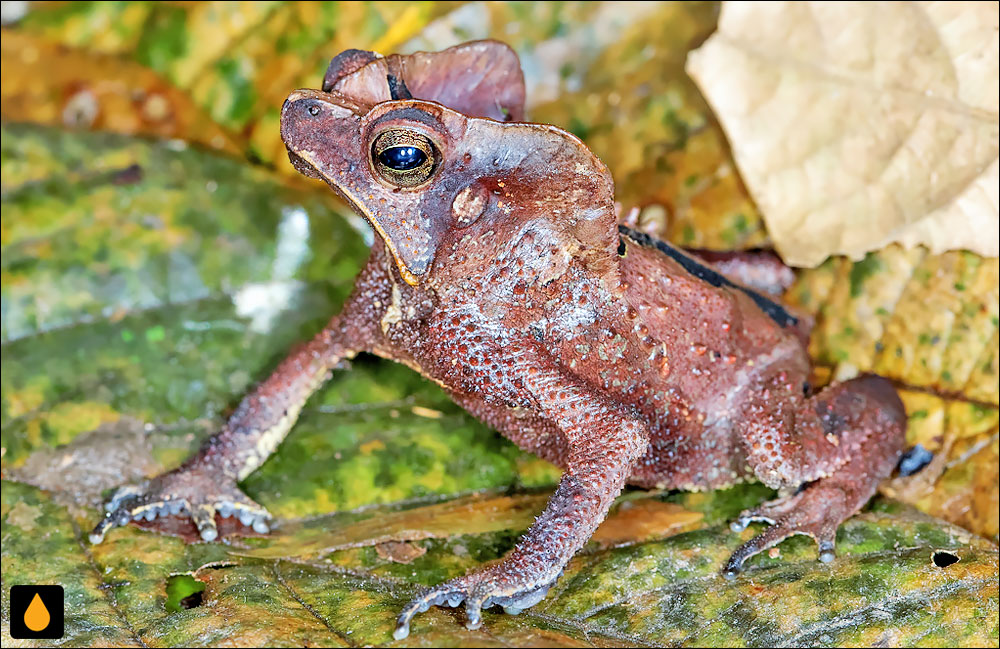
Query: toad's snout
x=320 y=130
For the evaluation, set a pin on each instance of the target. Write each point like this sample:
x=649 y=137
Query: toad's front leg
x=206 y=484
x=604 y=445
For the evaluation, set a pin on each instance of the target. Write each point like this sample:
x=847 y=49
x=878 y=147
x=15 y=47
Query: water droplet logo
x=37 y=616
x=37 y=612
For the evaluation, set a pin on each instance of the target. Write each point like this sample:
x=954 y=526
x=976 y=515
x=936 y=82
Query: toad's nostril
x=314 y=110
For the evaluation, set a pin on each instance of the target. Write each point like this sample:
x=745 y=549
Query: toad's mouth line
x=408 y=276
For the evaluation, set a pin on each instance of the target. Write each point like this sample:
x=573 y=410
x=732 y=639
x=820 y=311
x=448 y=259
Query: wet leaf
x=652 y=592
x=146 y=286
x=41 y=545
x=852 y=137
x=142 y=302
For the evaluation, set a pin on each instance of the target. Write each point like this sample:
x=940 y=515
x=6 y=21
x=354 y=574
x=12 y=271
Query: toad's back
x=702 y=343
x=713 y=331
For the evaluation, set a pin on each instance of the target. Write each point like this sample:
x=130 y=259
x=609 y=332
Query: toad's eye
x=404 y=158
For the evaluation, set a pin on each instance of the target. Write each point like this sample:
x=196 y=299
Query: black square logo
x=37 y=612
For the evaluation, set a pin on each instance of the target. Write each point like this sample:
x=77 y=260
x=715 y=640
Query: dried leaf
x=645 y=519
x=399 y=551
x=856 y=125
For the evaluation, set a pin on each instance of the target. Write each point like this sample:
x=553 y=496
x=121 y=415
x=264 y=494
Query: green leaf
x=147 y=285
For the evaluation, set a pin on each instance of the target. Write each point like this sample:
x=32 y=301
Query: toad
x=500 y=272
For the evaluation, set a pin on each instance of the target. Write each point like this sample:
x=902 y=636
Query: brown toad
x=500 y=272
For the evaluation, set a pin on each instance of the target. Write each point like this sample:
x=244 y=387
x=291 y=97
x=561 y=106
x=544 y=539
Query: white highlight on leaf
x=264 y=302
x=293 y=243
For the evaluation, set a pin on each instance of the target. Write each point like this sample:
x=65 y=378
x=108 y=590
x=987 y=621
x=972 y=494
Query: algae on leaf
x=146 y=285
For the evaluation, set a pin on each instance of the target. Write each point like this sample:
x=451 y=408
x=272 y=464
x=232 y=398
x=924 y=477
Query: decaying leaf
x=927 y=321
x=856 y=125
x=960 y=483
x=930 y=323
x=81 y=471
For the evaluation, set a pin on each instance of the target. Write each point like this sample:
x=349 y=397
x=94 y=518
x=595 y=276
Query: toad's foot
x=846 y=439
x=188 y=491
x=815 y=511
x=478 y=590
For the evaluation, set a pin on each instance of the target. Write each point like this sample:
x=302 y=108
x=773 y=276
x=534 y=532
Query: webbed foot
x=478 y=590
x=815 y=511
x=856 y=430
x=188 y=491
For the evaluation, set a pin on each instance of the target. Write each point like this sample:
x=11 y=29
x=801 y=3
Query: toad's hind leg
x=837 y=445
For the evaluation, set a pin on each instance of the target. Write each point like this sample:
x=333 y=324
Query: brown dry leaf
x=399 y=551
x=856 y=125
x=473 y=514
x=46 y=83
x=634 y=521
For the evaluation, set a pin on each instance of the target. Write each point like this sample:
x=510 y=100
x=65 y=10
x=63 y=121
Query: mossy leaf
x=146 y=285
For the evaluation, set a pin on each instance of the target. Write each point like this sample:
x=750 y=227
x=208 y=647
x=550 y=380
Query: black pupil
x=402 y=158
